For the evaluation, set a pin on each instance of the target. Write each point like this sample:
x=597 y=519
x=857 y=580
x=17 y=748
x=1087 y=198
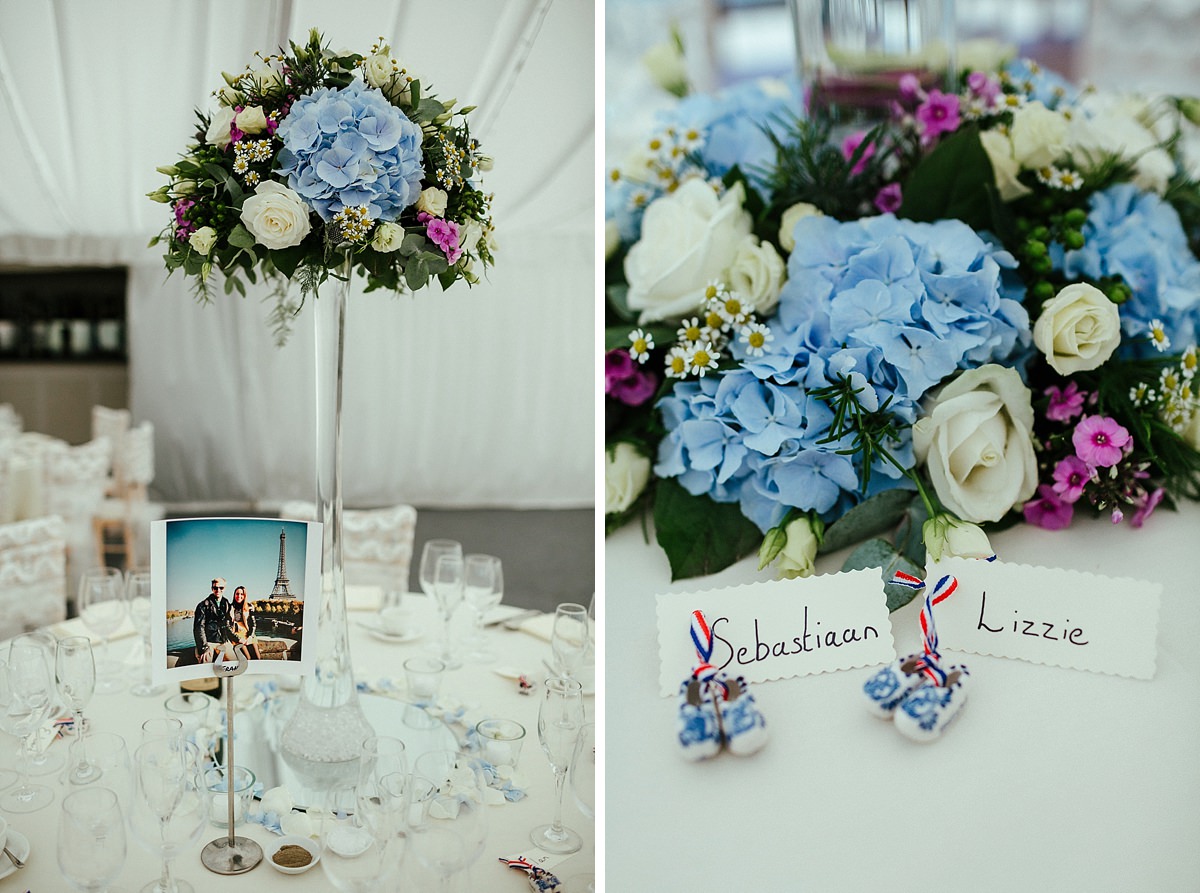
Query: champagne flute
x=102 y=609
x=430 y=553
x=75 y=673
x=91 y=839
x=569 y=639
x=452 y=826
x=560 y=717
x=483 y=589
x=170 y=806
x=137 y=596
x=448 y=590
x=26 y=699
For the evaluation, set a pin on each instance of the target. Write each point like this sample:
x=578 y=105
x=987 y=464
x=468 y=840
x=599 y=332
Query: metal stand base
x=231 y=856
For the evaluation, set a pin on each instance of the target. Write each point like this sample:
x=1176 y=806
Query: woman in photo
x=241 y=620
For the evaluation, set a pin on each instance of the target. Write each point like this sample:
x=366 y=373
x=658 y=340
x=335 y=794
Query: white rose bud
x=757 y=274
x=1191 y=434
x=799 y=554
x=251 y=119
x=976 y=443
x=203 y=239
x=787 y=225
x=218 y=128
x=276 y=216
x=667 y=67
x=432 y=201
x=999 y=151
x=387 y=237
x=612 y=238
x=484 y=163
x=1039 y=135
x=1078 y=330
x=626 y=472
x=228 y=96
x=378 y=70
x=947 y=537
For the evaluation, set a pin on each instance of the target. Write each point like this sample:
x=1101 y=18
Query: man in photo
x=211 y=625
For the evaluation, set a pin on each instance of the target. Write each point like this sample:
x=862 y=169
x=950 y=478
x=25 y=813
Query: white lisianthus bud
x=626 y=472
x=266 y=78
x=787 y=225
x=387 y=237
x=228 y=96
x=484 y=163
x=203 y=239
x=231 y=79
x=798 y=556
x=185 y=187
x=169 y=169
x=947 y=537
x=432 y=201
x=667 y=66
x=1191 y=434
x=251 y=119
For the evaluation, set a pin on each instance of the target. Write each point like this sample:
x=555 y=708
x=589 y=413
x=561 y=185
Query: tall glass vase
x=852 y=54
x=328 y=727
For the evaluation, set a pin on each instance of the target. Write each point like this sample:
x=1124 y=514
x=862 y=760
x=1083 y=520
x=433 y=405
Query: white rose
x=276 y=216
x=251 y=119
x=689 y=237
x=432 y=201
x=948 y=537
x=1078 y=330
x=387 y=237
x=626 y=472
x=975 y=442
x=203 y=239
x=1110 y=132
x=999 y=151
x=799 y=554
x=218 y=128
x=757 y=274
x=667 y=67
x=1191 y=434
x=787 y=225
x=377 y=69
x=1039 y=135
x=469 y=234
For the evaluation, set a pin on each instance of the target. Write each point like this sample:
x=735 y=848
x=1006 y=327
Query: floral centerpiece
x=982 y=311
x=314 y=157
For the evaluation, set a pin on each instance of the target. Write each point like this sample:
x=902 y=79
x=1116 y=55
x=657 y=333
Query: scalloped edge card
x=1053 y=616
x=780 y=628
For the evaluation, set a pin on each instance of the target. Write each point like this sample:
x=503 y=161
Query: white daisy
x=691 y=331
x=677 y=362
x=1158 y=335
x=756 y=336
x=642 y=345
x=731 y=309
x=1189 y=362
x=702 y=357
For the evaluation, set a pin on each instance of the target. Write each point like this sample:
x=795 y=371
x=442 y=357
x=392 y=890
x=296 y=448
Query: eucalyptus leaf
x=910 y=535
x=870 y=517
x=700 y=536
x=951 y=182
x=240 y=237
x=882 y=554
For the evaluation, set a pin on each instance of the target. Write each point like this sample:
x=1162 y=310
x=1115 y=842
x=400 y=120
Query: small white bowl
x=295 y=840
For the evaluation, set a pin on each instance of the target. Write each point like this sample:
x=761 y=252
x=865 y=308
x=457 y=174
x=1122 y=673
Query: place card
x=779 y=629
x=1052 y=616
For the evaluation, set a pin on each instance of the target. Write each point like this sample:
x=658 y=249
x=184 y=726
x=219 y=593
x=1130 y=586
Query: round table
x=474 y=685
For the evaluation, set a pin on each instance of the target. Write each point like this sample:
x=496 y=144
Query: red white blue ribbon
x=942 y=590
x=703 y=640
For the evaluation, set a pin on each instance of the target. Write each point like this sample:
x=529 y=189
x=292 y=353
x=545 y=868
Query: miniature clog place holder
x=916 y=692
x=716 y=711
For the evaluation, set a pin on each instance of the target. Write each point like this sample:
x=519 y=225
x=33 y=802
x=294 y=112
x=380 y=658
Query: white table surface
x=1052 y=779
x=473 y=684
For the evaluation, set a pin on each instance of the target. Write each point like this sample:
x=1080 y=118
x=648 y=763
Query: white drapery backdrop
x=477 y=396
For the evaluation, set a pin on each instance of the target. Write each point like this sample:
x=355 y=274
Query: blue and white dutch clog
x=892 y=684
x=698 y=726
x=925 y=713
x=743 y=725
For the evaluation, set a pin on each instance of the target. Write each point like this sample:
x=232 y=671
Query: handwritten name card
x=1050 y=616
x=779 y=629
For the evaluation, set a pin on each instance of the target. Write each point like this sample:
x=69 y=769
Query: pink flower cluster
x=625 y=380
x=443 y=233
x=183 y=226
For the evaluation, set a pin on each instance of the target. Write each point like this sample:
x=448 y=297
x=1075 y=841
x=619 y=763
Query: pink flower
x=1145 y=506
x=1065 y=403
x=1071 y=475
x=625 y=381
x=985 y=87
x=888 y=199
x=910 y=87
x=938 y=114
x=1100 y=441
x=444 y=234
x=852 y=142
x=1047 y=510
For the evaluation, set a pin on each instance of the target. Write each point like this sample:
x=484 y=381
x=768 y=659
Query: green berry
x=1119 y=293
x=1043 y=290
x=1035 y=248
x=1041 y=265
x=1076 y=217
x=1040 y=233
x=1073 y=239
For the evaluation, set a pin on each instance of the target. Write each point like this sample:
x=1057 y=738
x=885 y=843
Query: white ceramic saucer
x=19 y=844
x=377 y=632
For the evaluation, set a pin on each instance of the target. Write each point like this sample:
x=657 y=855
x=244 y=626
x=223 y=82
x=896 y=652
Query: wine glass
x=46 y=760
x=169 y=805
x=75 y=673
x=354 y=858
x=102 y=609
x=560 y=717
x=569 y=639
x=448 y=590
x=26 y=699
x=451 y=827
x=91 y=839
x=137 y=596
x=483 y=589
x=430 y=553
x=382 y=758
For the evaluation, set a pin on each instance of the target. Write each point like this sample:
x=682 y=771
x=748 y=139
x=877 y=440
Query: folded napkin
x=363 y=598
x=76 y=627
x=540 y=625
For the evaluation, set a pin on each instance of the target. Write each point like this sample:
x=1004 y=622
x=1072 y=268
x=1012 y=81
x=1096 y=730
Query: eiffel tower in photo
x=281 y=589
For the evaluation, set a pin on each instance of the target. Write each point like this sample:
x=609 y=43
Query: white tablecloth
x=476 y=684
x=1051 y=780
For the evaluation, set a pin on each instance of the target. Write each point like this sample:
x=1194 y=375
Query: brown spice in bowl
x=292 y=855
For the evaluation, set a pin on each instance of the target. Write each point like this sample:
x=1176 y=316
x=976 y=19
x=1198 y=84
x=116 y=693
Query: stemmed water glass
x=102 y=609
x=137 y=596
x=430 y=553
x=448 y=590
x=354 y=857
x=560 y=717
x=451 y=824
x=46 y=760
x=91 y=839
x=75 y=673
x=483 y=589
x=169 y=805
x=26 y=699
x=569 y=638
x=379 y=805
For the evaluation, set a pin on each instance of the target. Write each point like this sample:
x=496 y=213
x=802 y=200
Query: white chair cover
x=75 y=479
x=113 y=424
x=33 y=580
x=377 y=544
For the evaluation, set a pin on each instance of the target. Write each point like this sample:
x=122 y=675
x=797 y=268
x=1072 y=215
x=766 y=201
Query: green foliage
x=955 y=180
x=869 y=518
x=700 y=536
x=882 y=554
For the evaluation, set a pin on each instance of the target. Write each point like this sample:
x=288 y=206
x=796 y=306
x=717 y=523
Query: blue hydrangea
x=893 y=305
x=351 y=147
x=1041 y=84
x=1137 y=235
